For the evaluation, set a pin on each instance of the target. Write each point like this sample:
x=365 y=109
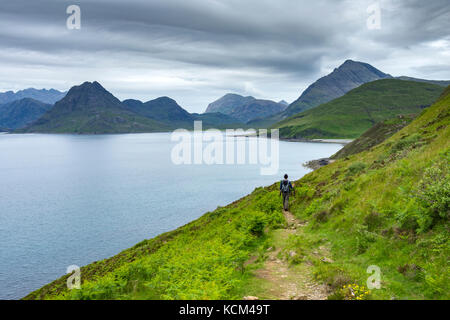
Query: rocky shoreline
x=319 y=163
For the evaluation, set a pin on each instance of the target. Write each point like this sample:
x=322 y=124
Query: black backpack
x=285 y=186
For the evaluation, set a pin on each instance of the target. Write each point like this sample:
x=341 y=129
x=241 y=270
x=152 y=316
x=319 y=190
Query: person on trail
x=285 y=190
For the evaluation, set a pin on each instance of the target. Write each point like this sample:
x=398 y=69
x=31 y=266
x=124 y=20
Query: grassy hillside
x=354 y=113
x=388 y=206
x=375 y=135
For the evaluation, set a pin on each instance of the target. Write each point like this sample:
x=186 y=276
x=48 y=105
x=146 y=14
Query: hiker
x=285 y=190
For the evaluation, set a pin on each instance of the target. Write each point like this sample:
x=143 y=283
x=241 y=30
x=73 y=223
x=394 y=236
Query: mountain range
x=89 y=108
x=43 y=95
x=168 y=111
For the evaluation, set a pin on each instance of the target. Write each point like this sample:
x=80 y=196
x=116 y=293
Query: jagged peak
x=96 y=86
x=352 y=63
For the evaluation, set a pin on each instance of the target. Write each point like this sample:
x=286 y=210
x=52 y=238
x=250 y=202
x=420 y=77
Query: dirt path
x=281 y=281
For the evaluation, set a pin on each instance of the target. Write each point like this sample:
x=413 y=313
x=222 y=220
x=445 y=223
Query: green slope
x=388 y=206
x=374 y=136
x=351 y=115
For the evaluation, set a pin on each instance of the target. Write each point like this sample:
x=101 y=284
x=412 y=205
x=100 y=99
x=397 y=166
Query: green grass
x=387 y=206
x=202 y=260
x=357 y=111
x=374 y=136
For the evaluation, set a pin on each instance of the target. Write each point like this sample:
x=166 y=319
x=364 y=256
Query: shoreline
x=336 y=141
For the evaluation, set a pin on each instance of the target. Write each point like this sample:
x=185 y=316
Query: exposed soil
x=283 y=281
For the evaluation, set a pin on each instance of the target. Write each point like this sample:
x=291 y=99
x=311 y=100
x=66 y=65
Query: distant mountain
x=245 y=109
x=443 y=83
x=89 y=108
x=47 y=96
x=228 y=103
x=257 y=109
x=354 y=113
x=163 y=109
x=19 y=113
x=350 y=75
x=168 y=111
x=283 y=103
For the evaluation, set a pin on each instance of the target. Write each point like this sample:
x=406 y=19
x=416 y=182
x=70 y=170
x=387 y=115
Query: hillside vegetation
x=357 y=111
x=375 y=135
x=387 y=206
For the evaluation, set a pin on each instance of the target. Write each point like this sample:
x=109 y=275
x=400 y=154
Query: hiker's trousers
x=286 y=201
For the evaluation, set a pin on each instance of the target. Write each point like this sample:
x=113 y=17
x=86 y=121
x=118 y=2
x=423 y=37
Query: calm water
x=71 y=200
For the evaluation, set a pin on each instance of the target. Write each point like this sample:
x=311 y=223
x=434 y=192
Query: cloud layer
x=195 y=51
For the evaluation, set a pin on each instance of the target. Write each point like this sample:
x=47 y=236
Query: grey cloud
x=199 y=49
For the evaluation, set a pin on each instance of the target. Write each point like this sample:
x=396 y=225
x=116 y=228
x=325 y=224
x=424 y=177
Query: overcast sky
x=197 y=50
